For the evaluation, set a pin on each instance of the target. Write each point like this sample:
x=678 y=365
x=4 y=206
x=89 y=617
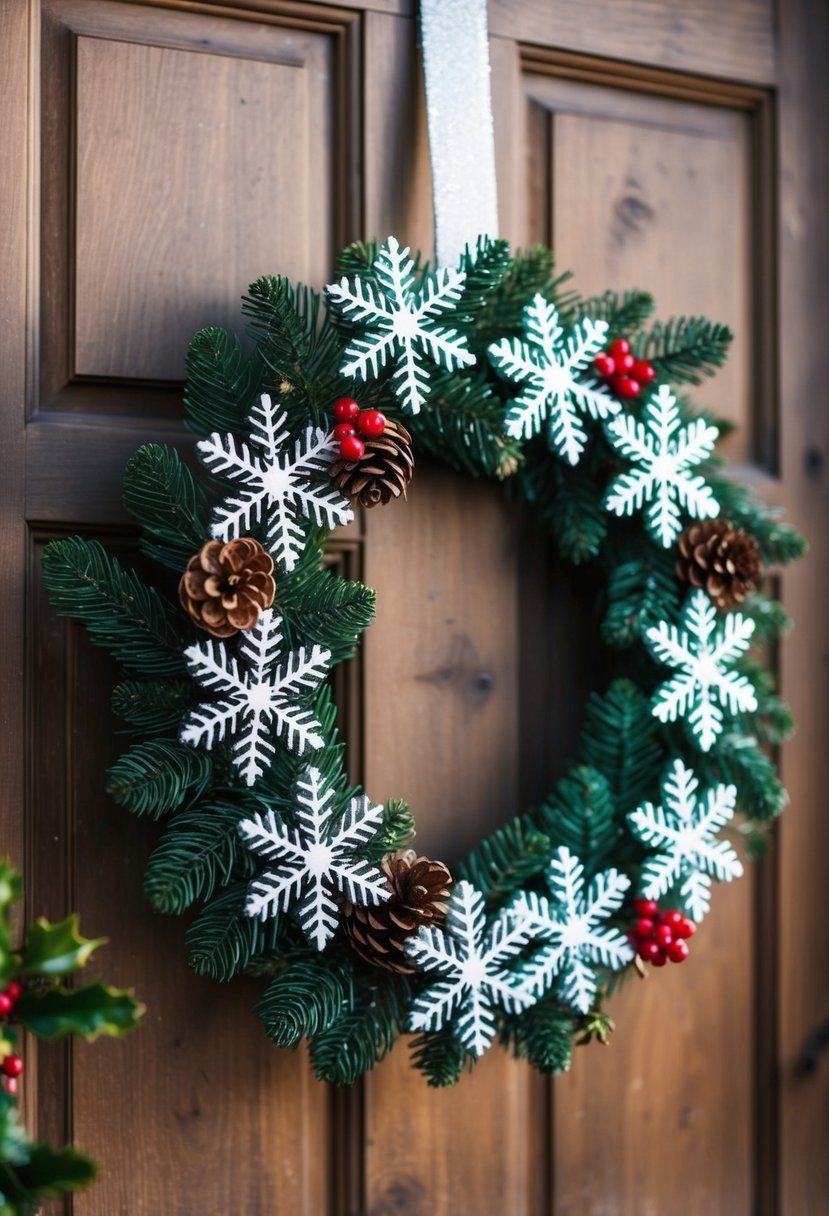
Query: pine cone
x=226 y=585
x=382 y=473
x=420 y=896
x=724 y=560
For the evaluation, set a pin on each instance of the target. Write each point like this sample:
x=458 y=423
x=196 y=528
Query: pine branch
x=396 y=830
x=580 y=815
x=363 y=1035
x=625 y=314
x=162 y=494
x=639 y=593
x=155 y=777
x=685 y=350
x=619 y=740
x=308 y=995
x=760 y=796
x=506 y=860
x=770 y=618
x=200 y=851
x=440 y=1057
x=320 y=607
x=118 y=611
x=543 y=1035
x=464 y=425
x=222 y=382
x=151 y=706
x=532 y=271
x=223 y=941
x=779 y=543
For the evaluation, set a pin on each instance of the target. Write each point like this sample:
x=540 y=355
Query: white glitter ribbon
x=455 y=45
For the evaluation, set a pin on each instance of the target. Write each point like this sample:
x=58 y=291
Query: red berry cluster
x=350 y=420
x=659 y=936
x=11 y=1066
x=626 y=375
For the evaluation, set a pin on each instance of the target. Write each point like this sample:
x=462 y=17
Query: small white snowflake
x=397 y=323
x=471 y=956
x=259 y=692
x=554 y=368
x=315 y=857
x=570 y=922
x=681 y=831
x=702 y=651
x=665 y=451
x=277 y=486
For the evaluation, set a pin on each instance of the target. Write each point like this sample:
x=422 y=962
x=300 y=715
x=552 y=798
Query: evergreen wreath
x=578 y=409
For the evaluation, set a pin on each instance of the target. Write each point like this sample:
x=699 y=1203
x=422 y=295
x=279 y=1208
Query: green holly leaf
x=89 y=1011
x=57 y=949
x=46 y=1174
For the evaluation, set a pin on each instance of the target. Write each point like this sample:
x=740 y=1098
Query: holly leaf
x=11 y=889
x=89 y=1012
x=57 y=949
x=47 y=1173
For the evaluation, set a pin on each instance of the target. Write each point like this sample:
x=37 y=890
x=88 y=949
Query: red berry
x=346 y=409
x=624 y=364
x=14 y=991
x=619 y=348
x=660 y=958
x=644 y=928
x=648 y=951
x=646 y=907
x=644 y=372
x=678 y=951
x=6 y=1005
x=625 y=386
x=12 y=1066
x=674 y=919
x=604 y=365
x=371 y=423
x=352 y=448
x=664 y=935
x=686 y=928
x=342 y=430
x=11 y=1085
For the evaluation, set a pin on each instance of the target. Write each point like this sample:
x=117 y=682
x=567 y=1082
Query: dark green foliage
x=778 y=542
x=364 y=1033
x=319 y=607
x=200 y=851
x=543 y=1034
x=619 y=740
x=685 y=350
x=566 y=501
x=32 y=1173
x=223 y=942
x=507 y=859
x=396 y=830
x=581 y=816
x=440 y=1057
x=485 y=268
x=222 y=382
x=738 y=759
x=118 y=611
x=624 y=313
x=308 y=995
x=770 y=618
x=151 y=706
x=640 y=593
x=533 y=270
x=153 y=778
x=463 y=425
x=162 y=494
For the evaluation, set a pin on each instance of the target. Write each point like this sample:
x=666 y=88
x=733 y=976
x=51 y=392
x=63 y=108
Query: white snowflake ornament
x=278 y=485
x=570 y=922
x=702 y=651
x=470 y=958
x=665 y=451
x=259 y=691
x=397 y=323
x=314 y=858
x=681 y=832
x=555 y=369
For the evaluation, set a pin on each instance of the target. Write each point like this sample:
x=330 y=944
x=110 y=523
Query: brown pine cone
x=382 y=472
x=226 y=585
x=724 y=560
x=420 y=896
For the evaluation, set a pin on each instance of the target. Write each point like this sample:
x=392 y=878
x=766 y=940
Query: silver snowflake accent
x=681 y=832
x=554 y=366
x=278 y=485
x=313 y=858
x=398 y=324
x=471 y=958
x=702 y=651
x=570 y=921
x=665 y=451
x=258 y=692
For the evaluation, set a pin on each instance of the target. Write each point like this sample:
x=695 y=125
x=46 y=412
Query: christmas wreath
x=578 y=409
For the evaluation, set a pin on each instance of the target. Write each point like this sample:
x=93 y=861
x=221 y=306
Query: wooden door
x=157 y=156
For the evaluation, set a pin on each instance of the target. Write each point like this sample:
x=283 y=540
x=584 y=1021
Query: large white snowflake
x=702 y=651
x=471 y=958
x=554 y=368
x=259 y=694
x=397 y=323
x=313 y=858
x=571 y=923
x=665 y=451
x=681 y=831
x=277 y=486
